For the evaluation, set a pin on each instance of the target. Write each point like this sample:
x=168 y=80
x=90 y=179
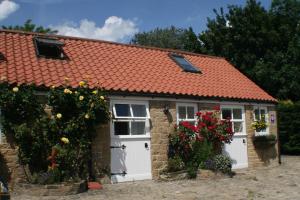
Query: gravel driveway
x=282 y=182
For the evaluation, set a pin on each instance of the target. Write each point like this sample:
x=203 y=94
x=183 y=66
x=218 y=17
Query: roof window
x=49 y=48
x=2 y=57
x=184 y=63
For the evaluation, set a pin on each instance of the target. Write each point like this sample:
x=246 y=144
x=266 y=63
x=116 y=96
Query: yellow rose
x=15 y=89
x=53 y=87
x=95 y=92
x=64 y=140
x=81 y=98
x=86 y=116
x=59 y=115
x=67 y=91
x=75 y=92
x=81 y=83
x=102 y=97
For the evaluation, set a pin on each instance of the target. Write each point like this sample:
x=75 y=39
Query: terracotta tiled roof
x=123 y=68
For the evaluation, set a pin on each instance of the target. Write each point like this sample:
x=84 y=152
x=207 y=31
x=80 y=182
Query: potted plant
x=260 y=124
x=264 y=141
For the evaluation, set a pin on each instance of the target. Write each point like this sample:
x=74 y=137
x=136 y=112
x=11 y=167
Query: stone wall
x=260 y=157
x=10 y=170
x=101 y=153
x=161 y=126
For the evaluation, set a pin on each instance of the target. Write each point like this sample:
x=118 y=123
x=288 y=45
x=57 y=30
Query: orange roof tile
x=124 y=68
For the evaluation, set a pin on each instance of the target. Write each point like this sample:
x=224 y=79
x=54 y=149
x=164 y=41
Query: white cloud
x=6 y=8
x=114 y=29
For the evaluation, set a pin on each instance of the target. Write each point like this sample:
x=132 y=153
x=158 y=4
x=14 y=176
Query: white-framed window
x=186 y=112
x=260 y=113
x=130 y=119
x=237 y=117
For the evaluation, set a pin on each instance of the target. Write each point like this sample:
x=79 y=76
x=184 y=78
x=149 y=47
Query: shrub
x=219 y=163
x=288 y=126
x=175 y=164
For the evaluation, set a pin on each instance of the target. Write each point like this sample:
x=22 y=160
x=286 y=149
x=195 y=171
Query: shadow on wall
x=5 y=173
x=267 y=154
x=118 y=157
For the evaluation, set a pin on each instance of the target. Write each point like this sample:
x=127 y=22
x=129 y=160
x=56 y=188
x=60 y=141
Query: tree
x=30 y=27
x=172 y=38
x=263 y=44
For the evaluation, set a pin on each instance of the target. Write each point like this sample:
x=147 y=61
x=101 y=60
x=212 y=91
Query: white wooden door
x=237 y=150
x=130 y=141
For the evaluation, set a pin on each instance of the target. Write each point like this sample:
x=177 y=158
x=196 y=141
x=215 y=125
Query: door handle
x=244 y=141
x=146 y=145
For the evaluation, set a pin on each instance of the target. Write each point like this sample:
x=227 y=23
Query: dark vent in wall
x=49 y=48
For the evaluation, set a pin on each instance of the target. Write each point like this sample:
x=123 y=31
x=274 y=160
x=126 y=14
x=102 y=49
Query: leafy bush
x=289 y=127
x=219 y=163
x=74 y=115
x=175 y=164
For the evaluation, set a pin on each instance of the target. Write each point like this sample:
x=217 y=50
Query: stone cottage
x=150 y=90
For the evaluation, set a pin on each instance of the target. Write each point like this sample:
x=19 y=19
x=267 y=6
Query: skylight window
x=184 y=64
x=49 y=48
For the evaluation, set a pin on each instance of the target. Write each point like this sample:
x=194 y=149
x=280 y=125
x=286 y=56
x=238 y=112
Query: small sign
x=272 y=118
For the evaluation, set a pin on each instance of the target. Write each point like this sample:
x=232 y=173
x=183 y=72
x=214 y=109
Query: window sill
x=131 y=137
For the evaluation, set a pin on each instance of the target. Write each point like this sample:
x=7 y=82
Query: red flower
x=198 y=114
x=217 y=108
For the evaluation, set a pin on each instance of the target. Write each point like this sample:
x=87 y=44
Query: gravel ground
x=282 y=182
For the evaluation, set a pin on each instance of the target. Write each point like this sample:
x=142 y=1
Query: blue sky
x=115 y=20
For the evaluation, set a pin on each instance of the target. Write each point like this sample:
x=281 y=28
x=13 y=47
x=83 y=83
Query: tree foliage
x=30 y=27
x=171 y=37
x=264 y=44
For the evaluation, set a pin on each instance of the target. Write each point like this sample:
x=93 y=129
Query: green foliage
x=264 y=44
x=30 y=27
x=74 y=115
x=172 y=38
x=175 y=164
x=220 y=163
x=289 y=123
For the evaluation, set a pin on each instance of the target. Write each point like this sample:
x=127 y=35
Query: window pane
x=182 y=112
x=122 y=110
x=190 y=112
x=138 y=128
x=256 y=114
x=226 y=113
x=237 y=113
x=139 y=110
x=263 y=114
x=238 y=127
x=121 y=128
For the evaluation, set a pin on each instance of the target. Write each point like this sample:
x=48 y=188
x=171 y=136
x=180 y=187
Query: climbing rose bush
x=71 y=115
x=194 y=144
